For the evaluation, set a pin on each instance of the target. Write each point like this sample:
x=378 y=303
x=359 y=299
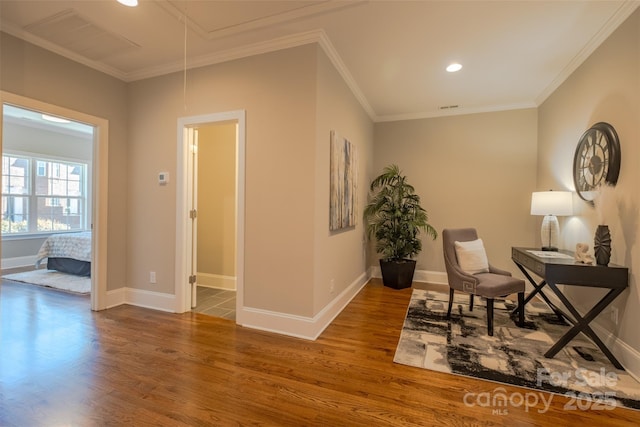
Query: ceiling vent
x=71 y=31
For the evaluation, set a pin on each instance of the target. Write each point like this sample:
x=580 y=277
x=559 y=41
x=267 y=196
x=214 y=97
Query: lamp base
x=549 y=233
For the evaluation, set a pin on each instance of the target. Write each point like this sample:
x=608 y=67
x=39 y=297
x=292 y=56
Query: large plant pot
x=397 y=274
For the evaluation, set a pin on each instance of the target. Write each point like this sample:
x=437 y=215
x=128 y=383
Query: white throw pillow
x=472 y=257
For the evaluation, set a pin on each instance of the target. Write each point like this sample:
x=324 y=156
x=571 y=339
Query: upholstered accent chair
x=469 y=271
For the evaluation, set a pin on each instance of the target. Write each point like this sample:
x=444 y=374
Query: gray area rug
x=53 y=279
x=513 y=355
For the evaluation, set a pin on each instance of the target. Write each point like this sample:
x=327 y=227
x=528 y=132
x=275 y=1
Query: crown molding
x=232 y=29
x=245 y=51
x=286 y=42
x=320 y=37
x=44 y=44
x=624 y=11
x=342 y=69
x=454 y=112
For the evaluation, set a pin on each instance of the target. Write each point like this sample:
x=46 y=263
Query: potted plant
x=395 y=218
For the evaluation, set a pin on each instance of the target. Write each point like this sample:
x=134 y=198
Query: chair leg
x=521 y=309
x=490 y=316
x=450 y=303
x=471 y=302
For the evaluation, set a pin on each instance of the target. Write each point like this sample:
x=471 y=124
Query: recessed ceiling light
x=130 y=3
x=452 y=68
x=54 y=119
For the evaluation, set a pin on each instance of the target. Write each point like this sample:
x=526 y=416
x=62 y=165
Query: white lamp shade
x=552 y=203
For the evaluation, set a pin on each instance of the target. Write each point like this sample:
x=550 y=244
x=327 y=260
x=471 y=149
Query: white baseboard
x=282 y=323
x=17 y=262
x=141 y=298
x=422 y=276
x=311 y=327
x=216 y=281
x=628 y=356
x=116 y=298
x=299 y=326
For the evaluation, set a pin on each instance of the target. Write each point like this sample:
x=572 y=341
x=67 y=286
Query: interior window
x=54 y=200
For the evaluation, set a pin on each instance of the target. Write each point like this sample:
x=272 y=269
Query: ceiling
x=392 y=53
x=33 y=119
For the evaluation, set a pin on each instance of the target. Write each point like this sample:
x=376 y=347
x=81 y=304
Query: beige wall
x=35 y=73
x=292 y=98
x=606 y=87
x=474 y=170
x=217 y=199
x=277 y=90
x=339 y=257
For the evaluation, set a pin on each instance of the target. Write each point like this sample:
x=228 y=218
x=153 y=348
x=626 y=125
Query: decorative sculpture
x=602 y=245
x=582 y=254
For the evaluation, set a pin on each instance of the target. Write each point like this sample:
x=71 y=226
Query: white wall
x=32 y=140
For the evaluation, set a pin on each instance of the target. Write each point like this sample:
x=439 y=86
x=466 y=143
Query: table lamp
x=551 y=203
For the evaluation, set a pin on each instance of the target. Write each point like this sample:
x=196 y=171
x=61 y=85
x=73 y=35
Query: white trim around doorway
x=100 y=181
x=183 y=253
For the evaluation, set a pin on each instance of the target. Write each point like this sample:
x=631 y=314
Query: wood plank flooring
x=64 y=365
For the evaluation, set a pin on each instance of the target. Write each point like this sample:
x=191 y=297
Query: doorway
x=215 y=203
x=67 y=208
x=210 y=213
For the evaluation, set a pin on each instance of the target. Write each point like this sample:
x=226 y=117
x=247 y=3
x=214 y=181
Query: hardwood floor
x=62 y=364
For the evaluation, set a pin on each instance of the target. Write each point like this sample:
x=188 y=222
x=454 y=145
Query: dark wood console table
x=560 y=268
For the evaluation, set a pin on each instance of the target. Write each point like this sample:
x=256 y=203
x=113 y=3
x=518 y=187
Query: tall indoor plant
x=395 y=218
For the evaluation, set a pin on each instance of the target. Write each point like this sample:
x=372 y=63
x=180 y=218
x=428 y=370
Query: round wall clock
x=597 y=160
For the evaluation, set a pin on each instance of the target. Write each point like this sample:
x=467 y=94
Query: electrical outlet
x=614 y=315
x=332 y=285
x=152 y=277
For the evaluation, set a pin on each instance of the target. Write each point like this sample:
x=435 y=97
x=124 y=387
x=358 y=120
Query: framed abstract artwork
x=344 y=175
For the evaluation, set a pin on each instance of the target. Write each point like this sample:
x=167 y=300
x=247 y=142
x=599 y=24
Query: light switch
x=163 y=178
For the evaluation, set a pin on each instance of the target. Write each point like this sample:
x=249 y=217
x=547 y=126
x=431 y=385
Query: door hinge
x=193 y=214
x=192 y=279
